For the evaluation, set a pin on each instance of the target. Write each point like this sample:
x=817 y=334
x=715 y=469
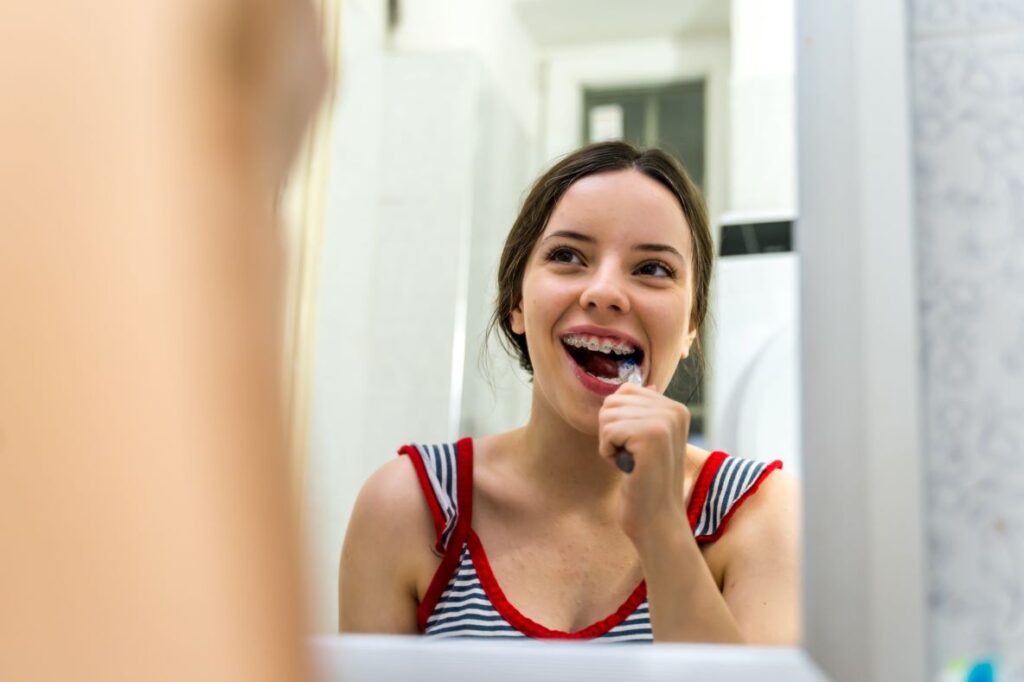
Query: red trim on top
x=699 y=495
x=531 y=627
x=450 y=561
x=464 y=462
x=428 y=491
x=449 y=564
x=777 y=464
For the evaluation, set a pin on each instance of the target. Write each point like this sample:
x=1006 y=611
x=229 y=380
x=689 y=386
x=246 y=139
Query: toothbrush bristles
x=630 y=371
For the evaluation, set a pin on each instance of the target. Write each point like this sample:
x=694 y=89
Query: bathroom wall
x=968 y=121
x=762 y=143
x=489 y=29
x=496 y=394
x=755 y=318
x=429 y=158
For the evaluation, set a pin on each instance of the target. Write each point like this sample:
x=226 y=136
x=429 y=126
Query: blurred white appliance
x=755 y=361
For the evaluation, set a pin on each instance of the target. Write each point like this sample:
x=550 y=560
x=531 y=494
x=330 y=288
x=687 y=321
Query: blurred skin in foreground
x=145 y=525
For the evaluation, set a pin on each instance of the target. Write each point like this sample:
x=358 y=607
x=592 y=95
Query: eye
x=654 y=268
x=565 y=255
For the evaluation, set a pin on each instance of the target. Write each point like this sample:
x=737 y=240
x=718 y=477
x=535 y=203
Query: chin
x=569 y=408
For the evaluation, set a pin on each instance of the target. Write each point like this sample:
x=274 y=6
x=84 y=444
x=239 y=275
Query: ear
x=517 y=319
x=688 y=342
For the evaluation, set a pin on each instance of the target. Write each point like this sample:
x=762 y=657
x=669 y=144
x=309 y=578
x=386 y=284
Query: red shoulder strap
x=450 y=560
x=699 y=495
x=428 y=491
x=464 y=457
x=724 y=523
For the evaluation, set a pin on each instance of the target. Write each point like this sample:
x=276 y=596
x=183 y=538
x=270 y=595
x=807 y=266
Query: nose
x=606 y=291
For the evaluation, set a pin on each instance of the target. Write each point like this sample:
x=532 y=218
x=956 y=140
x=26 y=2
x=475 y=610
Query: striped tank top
x=465 y=600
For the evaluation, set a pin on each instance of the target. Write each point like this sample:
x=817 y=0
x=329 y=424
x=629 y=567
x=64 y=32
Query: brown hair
x=540 y=204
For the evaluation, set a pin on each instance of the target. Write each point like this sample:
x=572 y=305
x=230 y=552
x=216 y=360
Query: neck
x=562 y=463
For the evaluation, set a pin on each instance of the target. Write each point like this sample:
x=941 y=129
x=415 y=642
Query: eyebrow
x=656 y=248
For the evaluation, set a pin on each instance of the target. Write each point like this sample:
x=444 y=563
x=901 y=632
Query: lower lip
x=590 y=382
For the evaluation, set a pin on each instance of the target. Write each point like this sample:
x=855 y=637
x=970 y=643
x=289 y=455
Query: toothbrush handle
x=624 y=460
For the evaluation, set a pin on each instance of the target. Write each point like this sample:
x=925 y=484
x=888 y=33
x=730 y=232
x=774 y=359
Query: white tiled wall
x=429 y=158
x=968 y=75
x=394 y=249
x=496 y=393
x=762 y=165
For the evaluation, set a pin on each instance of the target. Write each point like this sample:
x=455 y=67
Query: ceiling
x=554 y=23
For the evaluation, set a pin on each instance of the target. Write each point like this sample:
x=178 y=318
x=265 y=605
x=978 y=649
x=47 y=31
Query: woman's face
x=609 y=280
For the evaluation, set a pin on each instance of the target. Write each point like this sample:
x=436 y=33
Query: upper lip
x=603 y=332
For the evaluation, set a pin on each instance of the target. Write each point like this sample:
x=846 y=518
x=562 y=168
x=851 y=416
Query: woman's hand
x=654 y=429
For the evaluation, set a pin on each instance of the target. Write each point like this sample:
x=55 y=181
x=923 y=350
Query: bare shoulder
x=394 y=483
x=761 y=561
x=694 y=463
x=696 y=457
x=386 y=560
x=780 y=489
x=391 y=506
x=764 y=532
x=391 y=523
x=772 y=509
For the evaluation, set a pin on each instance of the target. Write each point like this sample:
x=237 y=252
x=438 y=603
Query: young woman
x=537 y=532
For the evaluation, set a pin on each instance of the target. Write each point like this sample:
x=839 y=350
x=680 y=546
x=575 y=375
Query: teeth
x=614 y=381
x=596 y=344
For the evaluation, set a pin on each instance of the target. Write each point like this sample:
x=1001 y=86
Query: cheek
x=686 y=314
x=544 y=299
x=523 y=313
x=670 y=317
x=536 y=316
x=670 y=334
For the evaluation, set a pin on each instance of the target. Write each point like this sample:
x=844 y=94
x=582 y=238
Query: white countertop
x=378 y=658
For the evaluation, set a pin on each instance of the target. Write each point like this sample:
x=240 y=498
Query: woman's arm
x=760 y=600
x=761 y=584
x=386 y=552
x=759 y=603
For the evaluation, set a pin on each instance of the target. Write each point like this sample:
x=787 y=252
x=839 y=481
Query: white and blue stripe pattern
x=731 y=482
x=464 y=610
x=442 y=472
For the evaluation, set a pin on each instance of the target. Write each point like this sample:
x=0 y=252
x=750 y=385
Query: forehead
x=623 y=204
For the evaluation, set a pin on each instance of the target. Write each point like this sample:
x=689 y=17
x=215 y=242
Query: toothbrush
x=628 y=371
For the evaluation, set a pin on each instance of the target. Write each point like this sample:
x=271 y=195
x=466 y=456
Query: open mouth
x=606 y=360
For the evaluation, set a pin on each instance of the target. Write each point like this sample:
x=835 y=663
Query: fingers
x=638 y=419
x=627 y=389
x=632 y=389
x=615 y=404
x=644 y=398
x=633 y=395
x=617 y=434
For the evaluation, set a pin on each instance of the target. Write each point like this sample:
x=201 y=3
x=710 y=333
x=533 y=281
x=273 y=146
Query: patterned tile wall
x=933 y=17
x=967 y=69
